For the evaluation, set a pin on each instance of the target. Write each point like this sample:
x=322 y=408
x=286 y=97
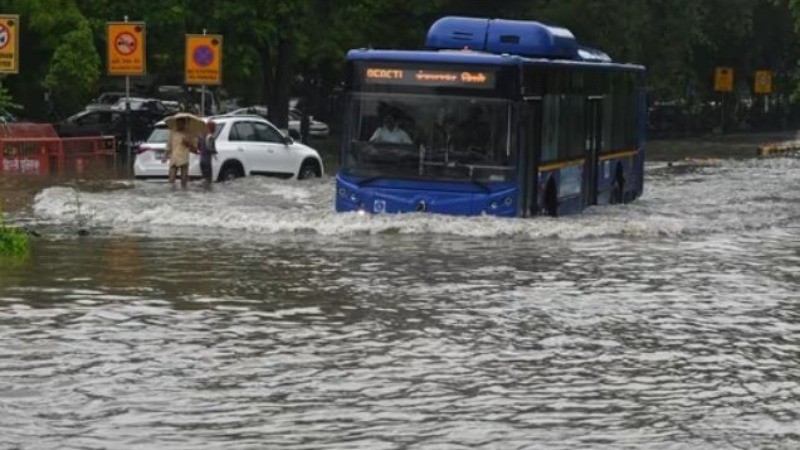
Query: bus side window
x=550 y=127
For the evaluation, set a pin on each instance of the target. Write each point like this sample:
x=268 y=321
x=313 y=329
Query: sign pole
x=128 y=146
x=203 y=93
x=203 y=64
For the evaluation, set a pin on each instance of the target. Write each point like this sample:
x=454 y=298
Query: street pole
x=128 y=145
x=203 y=93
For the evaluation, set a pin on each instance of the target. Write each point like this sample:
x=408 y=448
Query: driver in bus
x=390 y=133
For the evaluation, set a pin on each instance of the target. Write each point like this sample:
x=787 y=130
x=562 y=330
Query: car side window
x=266 y=133
x=243 y=131
x=86 y=119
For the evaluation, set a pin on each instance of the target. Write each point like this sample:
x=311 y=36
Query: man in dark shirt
x=208 y=150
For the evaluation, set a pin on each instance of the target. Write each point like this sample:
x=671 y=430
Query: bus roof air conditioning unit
x=515 y=37
x=458 y=33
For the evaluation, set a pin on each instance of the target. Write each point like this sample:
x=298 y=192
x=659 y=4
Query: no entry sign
x=126 y=48
x=9 y=44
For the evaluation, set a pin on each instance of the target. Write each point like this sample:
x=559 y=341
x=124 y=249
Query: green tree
x=55 y=41
x=74 y=70
x=7 y=101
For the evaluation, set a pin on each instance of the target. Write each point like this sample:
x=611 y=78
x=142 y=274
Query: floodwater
x=253 y=316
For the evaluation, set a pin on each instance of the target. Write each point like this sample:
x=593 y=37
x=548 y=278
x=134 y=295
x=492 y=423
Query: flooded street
x=253 y=316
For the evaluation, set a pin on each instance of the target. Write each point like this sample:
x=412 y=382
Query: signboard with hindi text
x=125 y=42
x=763 y=82
x=203 y=59
x=471 y=78
x=9 y=43
x=723 y=79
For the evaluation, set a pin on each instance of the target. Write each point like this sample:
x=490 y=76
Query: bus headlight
x=494 y=205
x=507 y=201
x=353 y=198
x=343 y=192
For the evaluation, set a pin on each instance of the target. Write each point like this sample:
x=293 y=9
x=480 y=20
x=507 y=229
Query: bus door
x=529 y=155
x=594 y=139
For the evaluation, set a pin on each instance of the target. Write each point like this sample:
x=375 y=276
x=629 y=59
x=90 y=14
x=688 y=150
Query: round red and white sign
x=125 y=43
x=5 y=36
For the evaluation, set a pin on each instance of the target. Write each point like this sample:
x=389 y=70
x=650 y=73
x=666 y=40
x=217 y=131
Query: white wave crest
x=731 y=195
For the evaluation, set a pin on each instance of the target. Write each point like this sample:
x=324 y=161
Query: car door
x=283 y=163
x=258 y=154
x=87 y=125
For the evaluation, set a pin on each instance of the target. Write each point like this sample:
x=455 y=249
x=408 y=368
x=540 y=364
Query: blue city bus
x=497 y=117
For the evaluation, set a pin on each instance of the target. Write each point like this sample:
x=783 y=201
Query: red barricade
x=60 y=156
x=27 y=130
x=80 y=155
x=30 y=155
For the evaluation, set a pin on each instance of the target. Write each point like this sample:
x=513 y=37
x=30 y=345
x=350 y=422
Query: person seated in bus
x=390 y=132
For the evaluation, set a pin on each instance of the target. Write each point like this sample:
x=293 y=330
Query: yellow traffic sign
x=723 y=79
x=203 y=59
x=9 y=44
x=763 y=82
x=126 y=48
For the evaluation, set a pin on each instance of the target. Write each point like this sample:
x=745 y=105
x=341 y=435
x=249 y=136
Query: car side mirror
x=287 y=140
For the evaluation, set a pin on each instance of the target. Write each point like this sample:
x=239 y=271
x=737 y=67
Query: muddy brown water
x=253 y=316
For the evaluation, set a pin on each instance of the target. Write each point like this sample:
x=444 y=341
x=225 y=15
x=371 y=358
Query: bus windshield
x=428 y=137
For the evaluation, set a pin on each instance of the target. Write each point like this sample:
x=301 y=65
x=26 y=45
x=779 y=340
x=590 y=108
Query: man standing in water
x=178 y=148
x=208 y=150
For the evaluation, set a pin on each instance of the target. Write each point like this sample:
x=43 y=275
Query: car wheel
x=229 y=173
x=308 y=170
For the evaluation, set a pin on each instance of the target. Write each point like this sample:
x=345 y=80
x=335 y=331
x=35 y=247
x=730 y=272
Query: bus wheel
x=551 y=200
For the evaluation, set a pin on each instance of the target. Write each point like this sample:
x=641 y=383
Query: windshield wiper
x=369 y=180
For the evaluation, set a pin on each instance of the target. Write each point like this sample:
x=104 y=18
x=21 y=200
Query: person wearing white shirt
x=390 y=133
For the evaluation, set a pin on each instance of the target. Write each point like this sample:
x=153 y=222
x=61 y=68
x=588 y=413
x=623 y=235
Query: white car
x=315 y=127
x=246 y=145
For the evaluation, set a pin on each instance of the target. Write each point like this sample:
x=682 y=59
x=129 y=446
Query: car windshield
x=429 y=137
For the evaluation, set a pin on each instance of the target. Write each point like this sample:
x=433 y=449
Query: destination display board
x=470 y=78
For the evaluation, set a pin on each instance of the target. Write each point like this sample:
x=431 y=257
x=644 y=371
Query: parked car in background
x=7 y=117
x=105 y=100
x=315 y=129
x=105 y=122
x=93 y=122
x=190 y=98
x=151 y=108
x=246 y=145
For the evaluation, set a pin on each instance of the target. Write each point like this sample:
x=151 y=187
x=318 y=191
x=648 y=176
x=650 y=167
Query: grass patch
x=13 y=241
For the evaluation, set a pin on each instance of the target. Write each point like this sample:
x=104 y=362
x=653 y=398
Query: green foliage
x=6 y=101
x=680 y=41
x=74 y=69
x=13 y=241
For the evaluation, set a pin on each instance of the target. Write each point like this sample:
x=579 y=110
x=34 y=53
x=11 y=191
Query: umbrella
x=194 y=125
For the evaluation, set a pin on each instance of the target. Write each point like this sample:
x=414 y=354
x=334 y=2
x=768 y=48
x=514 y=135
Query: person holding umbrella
x=208 y=149
x=184 y=131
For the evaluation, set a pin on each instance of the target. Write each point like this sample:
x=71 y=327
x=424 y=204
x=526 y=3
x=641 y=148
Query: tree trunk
x=279 y=111
x=267 y=78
